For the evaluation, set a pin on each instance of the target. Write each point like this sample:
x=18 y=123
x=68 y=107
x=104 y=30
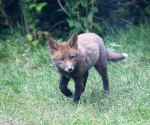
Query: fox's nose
x=69 y=69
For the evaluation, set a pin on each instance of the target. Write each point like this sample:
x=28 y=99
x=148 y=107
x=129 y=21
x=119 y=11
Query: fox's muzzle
x=69 y=68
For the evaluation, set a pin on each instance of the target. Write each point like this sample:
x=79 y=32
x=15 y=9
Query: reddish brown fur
x=75 y=57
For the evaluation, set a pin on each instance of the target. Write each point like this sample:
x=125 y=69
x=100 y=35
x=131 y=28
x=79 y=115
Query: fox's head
x=64 y=55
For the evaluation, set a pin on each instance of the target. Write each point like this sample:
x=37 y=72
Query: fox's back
x=92 y=46
x=89 y=38
x=90 y=42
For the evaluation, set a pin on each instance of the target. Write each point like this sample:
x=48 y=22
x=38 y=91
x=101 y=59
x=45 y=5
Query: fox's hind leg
x=102 y=70
x=63 y=86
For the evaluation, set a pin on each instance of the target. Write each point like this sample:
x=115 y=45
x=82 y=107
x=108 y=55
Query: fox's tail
x=114 y=56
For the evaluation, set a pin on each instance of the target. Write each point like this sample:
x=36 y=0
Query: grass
x=29 y=93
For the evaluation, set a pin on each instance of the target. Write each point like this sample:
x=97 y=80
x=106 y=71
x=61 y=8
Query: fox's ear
x=53 y=45
x=73 y=41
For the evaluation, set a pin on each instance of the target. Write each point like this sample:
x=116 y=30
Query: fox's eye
x=61 y=59
x=71 y=57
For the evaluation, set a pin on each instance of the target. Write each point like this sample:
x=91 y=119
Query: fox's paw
x=71 y=96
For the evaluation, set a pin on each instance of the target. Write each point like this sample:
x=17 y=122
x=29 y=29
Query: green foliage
x=72 y=15
x=31 y=8
x=38 y=7
x=81 y=16
x=0 y=2
x=36 y=37
x=147 y=9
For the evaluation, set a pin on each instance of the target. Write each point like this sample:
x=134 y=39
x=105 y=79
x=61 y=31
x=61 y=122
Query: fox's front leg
x=79 y=88
x=63 y=86
x=78 y=91
x=80 y=84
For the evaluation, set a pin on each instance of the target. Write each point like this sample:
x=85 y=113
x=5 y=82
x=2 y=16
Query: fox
x=74 y=57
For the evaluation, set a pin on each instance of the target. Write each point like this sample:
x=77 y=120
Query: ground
x=29 y=93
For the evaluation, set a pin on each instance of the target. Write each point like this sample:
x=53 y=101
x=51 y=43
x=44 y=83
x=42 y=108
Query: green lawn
x=29 y=93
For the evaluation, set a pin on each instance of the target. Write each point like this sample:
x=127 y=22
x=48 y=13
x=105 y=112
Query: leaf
x=147 y=9
x=72 y=23
x=40 y=6
x=83 y=20
x=29 y=37
x=30 y=19
x=122 y=10
x=35 y=42
x=77 y=25
x=45 y=32
x=27 y=0
x=32 y=25
x=97 y=26
x=91 y=13
x=83 y=3
x=59 y=40
x=37 y=20
x=32 y=5
x=91 y=1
